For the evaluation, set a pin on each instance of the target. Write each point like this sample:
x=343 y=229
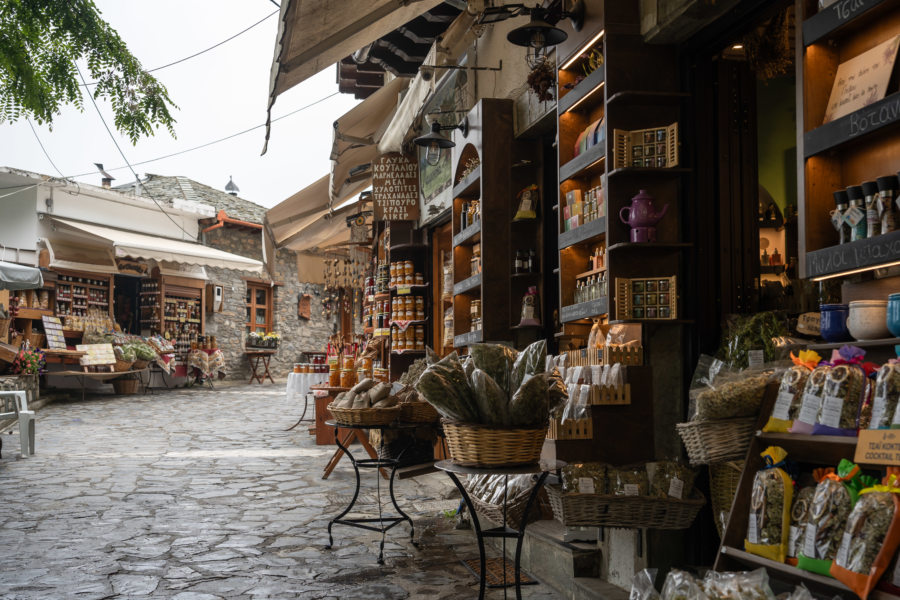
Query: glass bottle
x=873 y=219
x=856 y=214
x=887 y=192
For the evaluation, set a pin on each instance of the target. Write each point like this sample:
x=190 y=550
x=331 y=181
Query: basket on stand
x=633 y=512
x=122 y=365
x=709 y=442
x=364 y=416
x=723 y=484
x=418 y=412
x=515 y=509
x=474 y=445
x=125 y=386
x=140 y=364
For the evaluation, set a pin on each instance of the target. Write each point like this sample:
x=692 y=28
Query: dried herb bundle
x=826 y=520
x=887 y=396
x=866 y=529
x=738 y=398
x=799 y=516
x=790 y=393
x=766 y=508
x=842 y=398
x=574 y=478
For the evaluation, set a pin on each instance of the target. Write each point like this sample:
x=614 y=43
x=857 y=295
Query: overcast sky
x=218 y=93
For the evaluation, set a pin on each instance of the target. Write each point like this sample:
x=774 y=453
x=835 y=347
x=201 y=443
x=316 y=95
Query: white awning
x=73 y=255
x=19 y=277
x=300 y=210
x=356 y=135
x=147 y=247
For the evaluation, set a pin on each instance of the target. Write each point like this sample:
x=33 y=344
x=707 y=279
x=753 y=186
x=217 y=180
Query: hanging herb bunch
x=541 y=81
x=769 y=48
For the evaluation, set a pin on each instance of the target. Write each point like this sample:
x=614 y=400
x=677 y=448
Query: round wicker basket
x=122 y=365
x=474 y=445
x=140 y=364
x=125 y=386
x=709 y=442
x=418 y=412
x=364 y=416
x=636 y=512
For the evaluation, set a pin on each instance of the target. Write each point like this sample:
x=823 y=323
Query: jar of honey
x=348 y=378
x=366 y=362
x=380 y=374
x=408 y=269
x=349 y=362
x=420 y=337
x=420 y=279
x=297 y=368
x=420 y=308
x=334 y=378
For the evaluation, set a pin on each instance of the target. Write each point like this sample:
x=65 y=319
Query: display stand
x=385 y=523
x=503 y=532
x=255 y=357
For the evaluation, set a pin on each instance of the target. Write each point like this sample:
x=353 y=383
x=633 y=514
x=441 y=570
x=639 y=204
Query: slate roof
x=164 y=187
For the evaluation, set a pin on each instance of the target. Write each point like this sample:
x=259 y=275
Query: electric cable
x=44 y=149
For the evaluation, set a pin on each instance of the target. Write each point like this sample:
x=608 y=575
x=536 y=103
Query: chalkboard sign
x=870 y=252
x=395 y=188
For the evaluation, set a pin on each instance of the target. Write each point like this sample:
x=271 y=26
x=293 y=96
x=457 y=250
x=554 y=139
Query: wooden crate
x=647 y=298
x=607 y=395
x=584 y=357
x=582 y=429
x=656 y=147
x=632 y=356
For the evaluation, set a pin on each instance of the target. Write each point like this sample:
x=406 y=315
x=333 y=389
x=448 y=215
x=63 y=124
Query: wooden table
x=255 y=356
x=83 y=376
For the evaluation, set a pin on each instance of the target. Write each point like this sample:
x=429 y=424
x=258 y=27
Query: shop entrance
x=127 y=301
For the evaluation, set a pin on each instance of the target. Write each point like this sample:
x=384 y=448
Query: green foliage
x=40 y=40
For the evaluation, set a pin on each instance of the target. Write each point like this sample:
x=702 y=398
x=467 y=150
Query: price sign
x=878 y=447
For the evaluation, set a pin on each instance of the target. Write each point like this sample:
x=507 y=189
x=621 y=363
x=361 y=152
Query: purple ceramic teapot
x=642 y=217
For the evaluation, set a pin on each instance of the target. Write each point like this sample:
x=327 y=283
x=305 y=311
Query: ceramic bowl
x=868 y=320
x=893 y=314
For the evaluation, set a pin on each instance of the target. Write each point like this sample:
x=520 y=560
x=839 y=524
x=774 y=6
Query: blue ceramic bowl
x=893 y=314
x=833 y=327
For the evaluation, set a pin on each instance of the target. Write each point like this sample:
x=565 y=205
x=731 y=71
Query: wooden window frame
x=251 y=325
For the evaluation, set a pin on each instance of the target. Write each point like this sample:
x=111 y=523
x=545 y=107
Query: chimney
x=106 y=181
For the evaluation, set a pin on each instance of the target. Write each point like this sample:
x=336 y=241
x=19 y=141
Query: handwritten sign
x=862 y=80
x=53 y=329
x=395 y=188
x=878 y=447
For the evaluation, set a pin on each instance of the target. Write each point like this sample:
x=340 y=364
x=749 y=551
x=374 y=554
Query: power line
x=44 y=149
x=171 y=64
x=228 y=137
x=136 y=178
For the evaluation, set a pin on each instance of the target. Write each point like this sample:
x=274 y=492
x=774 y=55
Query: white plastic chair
x=26 y=421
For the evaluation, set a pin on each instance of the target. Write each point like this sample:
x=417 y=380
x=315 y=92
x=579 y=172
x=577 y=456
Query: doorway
x=126 y=303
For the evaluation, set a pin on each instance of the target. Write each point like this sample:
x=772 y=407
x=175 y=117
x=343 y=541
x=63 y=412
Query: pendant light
x=434 y=142
x=539 y=34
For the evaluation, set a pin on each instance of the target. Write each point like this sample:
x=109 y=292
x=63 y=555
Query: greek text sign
x=862 y=80
x=395 y=188
x=878 y=447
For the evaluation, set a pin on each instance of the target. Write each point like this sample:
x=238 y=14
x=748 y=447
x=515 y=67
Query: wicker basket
x=418 y=412
x=364 y=416
x=37 y=340
x=122 y=365
x=515 y=508
x=473 y=445
x=125 y=386
x=723 y=483
x=140 y=364
x=717 y=441
x=633 y=512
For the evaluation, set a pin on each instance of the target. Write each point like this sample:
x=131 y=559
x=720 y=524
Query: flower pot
x=833 y=327
x=868 y=320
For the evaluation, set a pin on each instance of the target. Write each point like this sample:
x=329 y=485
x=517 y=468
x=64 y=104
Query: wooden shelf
x=860 y=343
x=407 y=352
x=579 y=235
x=469 y=186
x=404 y=247
x=522 y=327
x=398 y=289
x=576 y=98
x=591 y=272
x=33 y=313
x=649 y=171
x=583 y=163
x=467 y=339
x=653 y=321
x=648 y=98
x=525 y=275
x=471 y=284
x=771 y=269
x=860 y=123
x=833 y=20
x=825 y=449
x=584 y=310
x=650 y=246
x=867 y=253
x=468 y=236
x=404 y=325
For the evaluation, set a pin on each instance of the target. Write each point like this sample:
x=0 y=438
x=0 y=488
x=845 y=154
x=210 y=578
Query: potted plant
x=272 y=339
x=253 y=339
x=29 y=362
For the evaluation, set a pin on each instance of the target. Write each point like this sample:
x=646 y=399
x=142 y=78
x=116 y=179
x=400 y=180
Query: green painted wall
x=776 y=139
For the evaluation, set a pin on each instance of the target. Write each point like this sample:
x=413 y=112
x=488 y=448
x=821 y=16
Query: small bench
x=26 y=419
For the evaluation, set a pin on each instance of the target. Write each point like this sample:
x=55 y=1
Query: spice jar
x=887 y=191
x=420 y=279
x=856 y=214
x=420 y=337
x=409 y=305
x=475 y=261
x=475 y=309
x=409 y=338
x=420 y=308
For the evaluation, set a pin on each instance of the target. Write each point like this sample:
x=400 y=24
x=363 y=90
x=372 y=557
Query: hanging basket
x=475 y=445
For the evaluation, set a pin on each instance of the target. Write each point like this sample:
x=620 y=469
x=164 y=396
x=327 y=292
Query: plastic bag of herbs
x=768 y=525
x=681 y=585
x=799 y=515
x=494 y=386
x=670 y=479
x=790 y=392
x=835 y=495
x=886 y=397
x=628 y=481
x=750 y=341
x=585 y=478
x=870 y=539
x=811 y=400
x=845 y=394
x=746 y=585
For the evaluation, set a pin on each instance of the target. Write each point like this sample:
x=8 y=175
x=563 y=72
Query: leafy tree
x=40 y=40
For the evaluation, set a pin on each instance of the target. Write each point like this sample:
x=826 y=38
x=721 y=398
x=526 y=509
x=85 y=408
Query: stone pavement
x=198 y=495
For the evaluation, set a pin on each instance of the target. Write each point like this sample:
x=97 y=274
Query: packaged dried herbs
x=790 y=392
x=681 y=585
x=497 y=361
x=799 y=515
x=530 y=401
x=670 y=479
x=750 y=341
x=739 y=397
x=445 y=386
x=751 y=585
x=769 y=520
x=585 y=478
x=531 y=361
x=628 y=481
x=886 y=396
x=870 y=539
x=492 y=401
x=825 y=521
x=812 y=400
x=842 y=400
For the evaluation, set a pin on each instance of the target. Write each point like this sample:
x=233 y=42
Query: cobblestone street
x=198 y=494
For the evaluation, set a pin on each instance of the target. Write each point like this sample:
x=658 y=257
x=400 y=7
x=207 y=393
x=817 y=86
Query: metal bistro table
x=385 y=523
x=503 y=531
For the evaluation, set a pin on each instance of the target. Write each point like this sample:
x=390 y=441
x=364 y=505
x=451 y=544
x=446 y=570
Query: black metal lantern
x=434 y=142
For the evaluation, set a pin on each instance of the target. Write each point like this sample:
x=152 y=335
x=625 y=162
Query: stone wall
x=228 y=326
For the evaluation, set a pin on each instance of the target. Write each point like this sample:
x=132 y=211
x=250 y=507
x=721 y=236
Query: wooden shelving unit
x=490 y=139
x=858 y=147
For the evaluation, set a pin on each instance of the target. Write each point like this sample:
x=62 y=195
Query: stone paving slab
x=201 y=495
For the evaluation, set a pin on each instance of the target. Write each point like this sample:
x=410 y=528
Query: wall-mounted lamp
x=539 y=34
x=434 y=142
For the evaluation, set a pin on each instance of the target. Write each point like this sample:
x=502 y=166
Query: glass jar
x=475 y=309
x=297 y=368
x=419 y=279
x=348 y=378
x=420 y=337
x=409 y=271
x=334 y=378
x=349 y=362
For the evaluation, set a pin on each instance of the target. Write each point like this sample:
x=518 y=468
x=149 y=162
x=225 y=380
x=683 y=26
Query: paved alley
x=199 y=495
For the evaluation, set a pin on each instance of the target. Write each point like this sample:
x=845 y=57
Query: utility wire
x=196 y=54
x=44 y=149
x=233 y=135
x=136 y=178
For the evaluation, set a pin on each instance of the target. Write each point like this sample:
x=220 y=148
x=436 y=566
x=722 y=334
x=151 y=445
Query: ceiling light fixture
x=434 y=142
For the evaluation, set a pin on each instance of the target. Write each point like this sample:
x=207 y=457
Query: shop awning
x=300 y=210
x=19 y=277
x=147 y=247
x=356 y=136
x=71 y=253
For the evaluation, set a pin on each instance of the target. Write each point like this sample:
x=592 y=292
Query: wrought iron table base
x=385 y=523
